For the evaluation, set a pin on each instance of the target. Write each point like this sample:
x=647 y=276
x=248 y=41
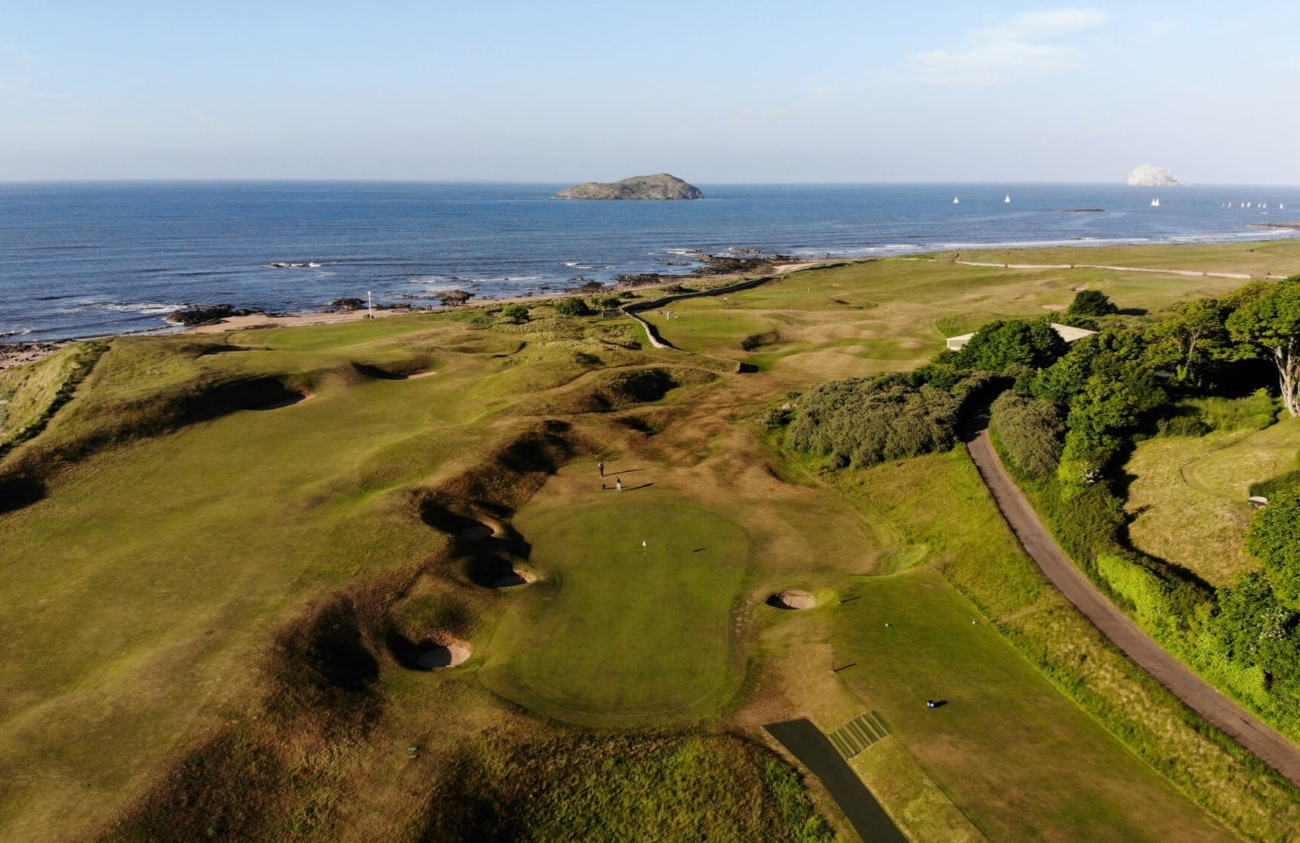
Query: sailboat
x=1155 y=203
x=956 y=201
x=1008 y=199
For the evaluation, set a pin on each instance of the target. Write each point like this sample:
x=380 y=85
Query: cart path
x=1263 y=740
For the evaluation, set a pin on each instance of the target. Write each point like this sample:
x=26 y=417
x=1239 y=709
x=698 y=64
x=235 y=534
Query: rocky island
x=1150 y=176
x=657 y=187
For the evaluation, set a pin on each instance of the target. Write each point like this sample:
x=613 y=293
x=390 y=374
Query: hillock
x=657 y=187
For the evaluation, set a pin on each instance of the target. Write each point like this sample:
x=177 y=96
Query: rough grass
x=32 y=394
x=602 y=787
x=1188 y=495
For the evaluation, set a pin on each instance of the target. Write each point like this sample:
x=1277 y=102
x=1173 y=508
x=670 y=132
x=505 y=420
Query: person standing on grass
x=618 y=483
x=601 y=465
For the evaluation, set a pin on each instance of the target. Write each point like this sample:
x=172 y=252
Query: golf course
x=465 y=575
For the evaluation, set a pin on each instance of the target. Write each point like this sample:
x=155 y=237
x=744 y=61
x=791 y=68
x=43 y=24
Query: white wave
x=148 y=308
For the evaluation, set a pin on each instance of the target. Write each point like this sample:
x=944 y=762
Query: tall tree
x=1092 y=303
x=1269 y=318
x=1191 y=339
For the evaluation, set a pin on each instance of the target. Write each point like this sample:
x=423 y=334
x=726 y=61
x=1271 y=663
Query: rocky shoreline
x=21 y=353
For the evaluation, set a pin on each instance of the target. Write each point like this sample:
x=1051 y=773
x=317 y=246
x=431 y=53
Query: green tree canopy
x=862 y=421
x=1002 y=344
x=1274 y=539
x=1193 y=338
x=1269 y=319
x=1092 y=303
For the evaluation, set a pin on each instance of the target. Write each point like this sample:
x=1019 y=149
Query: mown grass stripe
x=840 y=744
x=863 y=736
x=868 y=726
x=858 y=734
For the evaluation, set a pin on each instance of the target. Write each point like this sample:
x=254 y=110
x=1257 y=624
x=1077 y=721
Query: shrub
x=515 y=313
x=574 y=306
x=865 y=421
x=1031 y=431
x=1091 y=303
x=1271 y=538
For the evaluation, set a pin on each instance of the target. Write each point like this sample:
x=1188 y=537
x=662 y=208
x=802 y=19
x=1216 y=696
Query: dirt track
x=1264 y=741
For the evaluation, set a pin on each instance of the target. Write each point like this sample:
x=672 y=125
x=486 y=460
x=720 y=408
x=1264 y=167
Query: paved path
x=1263 y=740
x=807 y=743
x=1194 y=273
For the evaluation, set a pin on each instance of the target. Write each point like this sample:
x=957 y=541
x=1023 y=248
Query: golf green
x=619 y=632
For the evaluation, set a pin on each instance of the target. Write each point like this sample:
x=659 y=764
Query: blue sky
x=715 y=92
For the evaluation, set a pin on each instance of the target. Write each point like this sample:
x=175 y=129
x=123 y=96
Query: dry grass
x=1188 y=496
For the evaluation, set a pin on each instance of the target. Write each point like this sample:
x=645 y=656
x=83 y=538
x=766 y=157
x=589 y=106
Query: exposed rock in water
x=1150 y=176
x=207 y=315
x=657 y=187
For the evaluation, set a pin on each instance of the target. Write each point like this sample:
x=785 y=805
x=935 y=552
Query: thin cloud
x=1025 y=45
x=20 y=75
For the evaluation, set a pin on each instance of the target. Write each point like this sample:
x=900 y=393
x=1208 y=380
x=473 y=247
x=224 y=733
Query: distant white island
x=1150 y=176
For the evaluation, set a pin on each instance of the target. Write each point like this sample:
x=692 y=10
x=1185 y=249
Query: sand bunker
x=514 y=578
x=445 y=651
x=792 y=600
x=288 y=401
x=476 y=533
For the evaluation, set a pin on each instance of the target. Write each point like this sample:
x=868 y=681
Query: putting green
x=617 y=633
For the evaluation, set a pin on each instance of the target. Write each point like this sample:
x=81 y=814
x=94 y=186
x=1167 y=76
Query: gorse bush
x=572 y=307
x=1032 y=432
x=862 y=421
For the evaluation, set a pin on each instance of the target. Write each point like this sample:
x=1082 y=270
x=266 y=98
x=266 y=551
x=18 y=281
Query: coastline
x=22 y=353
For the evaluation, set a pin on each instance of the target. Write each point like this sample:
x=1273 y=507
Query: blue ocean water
x=89 y=259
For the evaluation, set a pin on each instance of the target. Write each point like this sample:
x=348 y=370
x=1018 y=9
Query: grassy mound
x=597 y=787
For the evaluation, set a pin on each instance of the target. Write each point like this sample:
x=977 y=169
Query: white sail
x=956 y=201
x=1008 y=199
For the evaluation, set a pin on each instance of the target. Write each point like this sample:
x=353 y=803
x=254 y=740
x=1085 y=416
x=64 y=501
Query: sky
x=714 y=92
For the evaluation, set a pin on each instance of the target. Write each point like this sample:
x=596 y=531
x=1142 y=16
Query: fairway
x=619 y=634
x=1021 y=760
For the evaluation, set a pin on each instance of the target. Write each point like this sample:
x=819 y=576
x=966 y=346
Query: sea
x=92 y=259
